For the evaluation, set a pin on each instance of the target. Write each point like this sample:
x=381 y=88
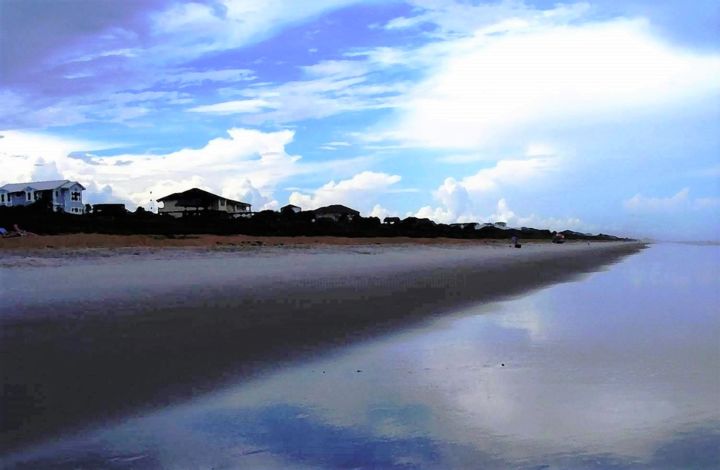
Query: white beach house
x=61 y=195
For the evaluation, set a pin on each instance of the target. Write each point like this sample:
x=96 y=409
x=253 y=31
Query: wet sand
x=88 y=339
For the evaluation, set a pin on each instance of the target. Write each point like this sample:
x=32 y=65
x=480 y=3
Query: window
x=2 y=198
x=37 y=196
x=29 y=195
x=57 y=194
x=75 y=195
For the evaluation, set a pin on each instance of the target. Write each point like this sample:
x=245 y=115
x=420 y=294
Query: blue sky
x=596 y=116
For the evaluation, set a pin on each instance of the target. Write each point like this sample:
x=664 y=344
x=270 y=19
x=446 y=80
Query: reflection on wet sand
x=618 y=370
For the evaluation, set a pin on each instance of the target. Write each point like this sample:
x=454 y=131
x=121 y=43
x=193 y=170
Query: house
x=391 y=220
x=335 y=212
x=59 y=195
x=498 y=225
x=415 y=223
x=195 y=201
x=464 y=225
x=290 y=209
x=111 y=210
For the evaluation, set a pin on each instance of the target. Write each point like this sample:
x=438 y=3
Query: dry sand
x=84 y=339
x=95 y=240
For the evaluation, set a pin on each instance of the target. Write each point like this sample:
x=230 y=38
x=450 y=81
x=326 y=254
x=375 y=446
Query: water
x=620 y=369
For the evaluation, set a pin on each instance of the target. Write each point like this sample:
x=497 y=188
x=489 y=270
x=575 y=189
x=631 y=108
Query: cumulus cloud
x=360 y=191
x=462 y=200
x=381 y=212
x=21 y=153
x=510 y=172
x=479 y=197
x=246 y=164
x=454 y=196
x=502 y=213
x=242 y=189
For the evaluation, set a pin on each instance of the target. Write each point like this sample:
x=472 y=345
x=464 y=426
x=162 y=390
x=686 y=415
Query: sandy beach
x=87 y=336
x=79 y=241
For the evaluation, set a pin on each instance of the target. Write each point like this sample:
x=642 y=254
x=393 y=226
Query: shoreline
x=141 y=332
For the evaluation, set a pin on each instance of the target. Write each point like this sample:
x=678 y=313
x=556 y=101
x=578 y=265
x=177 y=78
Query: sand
x=102 y=241
x=87 y=338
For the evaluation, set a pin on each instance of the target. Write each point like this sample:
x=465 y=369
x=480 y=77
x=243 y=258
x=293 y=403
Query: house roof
x=290 y=206
x=336 y=209
x=197 y=197
x=40 y=185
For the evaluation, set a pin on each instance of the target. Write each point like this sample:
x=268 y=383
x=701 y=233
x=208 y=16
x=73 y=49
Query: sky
x=598 y=116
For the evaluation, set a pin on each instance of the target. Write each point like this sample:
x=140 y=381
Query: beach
x=91 y=334
x=95 y=241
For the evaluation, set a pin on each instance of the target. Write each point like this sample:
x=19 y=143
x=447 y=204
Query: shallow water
x=620 y=369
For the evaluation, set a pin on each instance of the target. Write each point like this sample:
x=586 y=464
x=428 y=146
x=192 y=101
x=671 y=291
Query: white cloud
x=381 y=212
x=234 y=107
x=468 y=199
x=246 y=164
x=196 y=28
x=640 y=203
x=453 y=19
x=362 y=190
x=509 y=173
x=464 y=199
x=680 y=201
x=335 y=145
x=502 y=213
x=327 y=88
x=438 y=214
x=22 y=152
x=540 y=74
x=150 y=53
x=454 y=197
x=242 y=189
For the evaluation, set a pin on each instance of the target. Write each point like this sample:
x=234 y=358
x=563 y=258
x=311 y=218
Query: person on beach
x=515 y=241
x=18 y=232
